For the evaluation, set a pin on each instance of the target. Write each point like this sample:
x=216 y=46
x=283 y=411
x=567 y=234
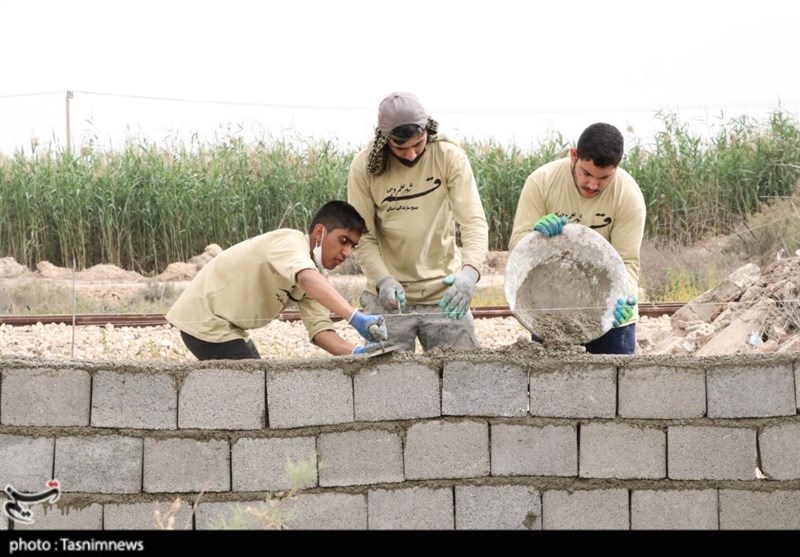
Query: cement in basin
x=563 y=288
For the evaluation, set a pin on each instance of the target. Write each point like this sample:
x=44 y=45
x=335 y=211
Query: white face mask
x=317 y=253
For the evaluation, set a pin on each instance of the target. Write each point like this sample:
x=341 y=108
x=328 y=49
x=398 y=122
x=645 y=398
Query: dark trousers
x=621 y=340
x=238 y=349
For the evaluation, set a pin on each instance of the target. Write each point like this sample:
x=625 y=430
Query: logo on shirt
x=604 y=220
x=403 y=193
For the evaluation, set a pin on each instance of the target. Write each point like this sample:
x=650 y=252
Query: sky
x=509 y=71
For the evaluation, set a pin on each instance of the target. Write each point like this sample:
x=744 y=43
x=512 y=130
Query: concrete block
x=308 y=397
x=318 y=511
x=134 y=400
x=751 y=391
x=260 y=464
x=186 y=465
x=360 y=457
x=232 y=515
x=327 y=511
x=588 y=392
x=99 y=464
x=484 y=389
x=759 y=510
x=615 y=450
x=780 y=451
x=222 y=399
x=523 y=450
x=142 y=516
x=397 y=391
x=502 y=507
x=596 y=509
x=440 y=450
x=711 y=453
x=45 y=397
x=679 y=509
x=62 y=516
x=26 y=463
x=416 y=508
x=661 y=392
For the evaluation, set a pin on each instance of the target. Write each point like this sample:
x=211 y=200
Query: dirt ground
x=103 y=282
x=753 y=310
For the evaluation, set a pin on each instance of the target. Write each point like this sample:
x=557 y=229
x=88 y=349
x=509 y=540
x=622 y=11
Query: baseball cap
x=398 y=109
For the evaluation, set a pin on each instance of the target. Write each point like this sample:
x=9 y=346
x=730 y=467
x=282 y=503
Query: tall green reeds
x=500 y=173
x=695 y=188
x=147 y=205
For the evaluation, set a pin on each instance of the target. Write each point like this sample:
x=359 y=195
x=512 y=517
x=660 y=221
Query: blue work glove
x=623 y=310
x=551 y=224
x=457 y=298
x=391 y=293
x=369 y=347
x=371 y=327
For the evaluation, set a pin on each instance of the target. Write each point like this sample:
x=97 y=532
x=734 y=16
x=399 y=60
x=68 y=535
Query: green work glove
x=457 y=298
x=623 y=310
x=371 y=327
x=551 y=224
x=391 y=293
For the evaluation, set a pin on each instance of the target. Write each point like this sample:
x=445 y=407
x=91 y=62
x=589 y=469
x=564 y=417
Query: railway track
x=155 y=319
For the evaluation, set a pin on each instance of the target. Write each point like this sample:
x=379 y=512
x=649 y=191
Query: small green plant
x=158 y=293
x=166 y=520
x=272 y=513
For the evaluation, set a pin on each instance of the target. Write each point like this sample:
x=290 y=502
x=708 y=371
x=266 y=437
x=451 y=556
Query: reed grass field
x=145 y=205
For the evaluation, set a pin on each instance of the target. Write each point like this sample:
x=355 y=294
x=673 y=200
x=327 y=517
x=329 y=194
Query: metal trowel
x=384 y=350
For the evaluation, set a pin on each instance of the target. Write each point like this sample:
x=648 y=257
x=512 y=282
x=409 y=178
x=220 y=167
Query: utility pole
x=69 y=128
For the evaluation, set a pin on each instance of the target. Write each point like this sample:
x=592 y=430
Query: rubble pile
x=750 y=311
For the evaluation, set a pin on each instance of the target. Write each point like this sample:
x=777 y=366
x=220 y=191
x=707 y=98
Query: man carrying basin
x=588 y=188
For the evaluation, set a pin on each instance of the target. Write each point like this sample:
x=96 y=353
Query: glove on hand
x=457 y=298
x=391 y=293
x=371 y=327
x=369 y=347
x=551 y=224
x=623 y=310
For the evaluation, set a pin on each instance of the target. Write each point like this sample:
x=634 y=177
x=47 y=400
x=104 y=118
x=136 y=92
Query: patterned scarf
x=377 y=161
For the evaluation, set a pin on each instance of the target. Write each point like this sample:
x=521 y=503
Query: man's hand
x=369 y=348
x=371 y=327
x=623 y=310
x=551 y=224
x=457 y=298
x=391 y=293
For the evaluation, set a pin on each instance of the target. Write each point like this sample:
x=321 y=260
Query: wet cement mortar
x=563 y=288
x=521 y=353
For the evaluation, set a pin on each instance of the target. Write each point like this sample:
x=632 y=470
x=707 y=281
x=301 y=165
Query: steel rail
x=156 y=319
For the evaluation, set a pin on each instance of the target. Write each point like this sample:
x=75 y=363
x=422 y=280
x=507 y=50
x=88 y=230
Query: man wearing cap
x=414 y=188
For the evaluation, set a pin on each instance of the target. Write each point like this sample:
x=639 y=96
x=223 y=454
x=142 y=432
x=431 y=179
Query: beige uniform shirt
x=411 y=213
x=618 y=213
x=246 y=286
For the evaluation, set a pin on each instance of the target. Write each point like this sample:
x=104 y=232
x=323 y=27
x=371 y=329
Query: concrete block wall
x=510 y=439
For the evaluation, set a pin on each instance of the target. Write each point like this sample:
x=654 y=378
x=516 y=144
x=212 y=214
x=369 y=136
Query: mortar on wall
x=563 y=288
